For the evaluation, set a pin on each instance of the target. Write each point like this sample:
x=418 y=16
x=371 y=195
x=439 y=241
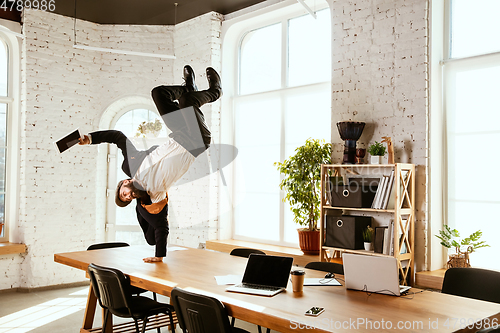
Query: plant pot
x=1 y=227
x=368 y=246
x=460 y=259
x=309 y=241
x=376 y=159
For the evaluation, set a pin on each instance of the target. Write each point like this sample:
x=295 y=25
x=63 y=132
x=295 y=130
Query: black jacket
x=154 y=226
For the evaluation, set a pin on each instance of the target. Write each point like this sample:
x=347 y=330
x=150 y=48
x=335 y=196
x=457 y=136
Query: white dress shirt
x=162 y=168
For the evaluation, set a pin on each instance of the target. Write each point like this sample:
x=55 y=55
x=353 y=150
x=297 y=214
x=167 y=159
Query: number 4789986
x=19 y=5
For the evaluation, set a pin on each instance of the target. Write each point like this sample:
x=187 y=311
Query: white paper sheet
x=228 y=279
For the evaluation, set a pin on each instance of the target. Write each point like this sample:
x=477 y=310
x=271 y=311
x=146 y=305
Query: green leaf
x=301 y=180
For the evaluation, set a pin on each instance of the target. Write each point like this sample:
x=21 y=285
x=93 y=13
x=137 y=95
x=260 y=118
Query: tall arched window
x=9 y=137
x=4 y=103
x=122 y=223
x=472 y=116
x=283 y=98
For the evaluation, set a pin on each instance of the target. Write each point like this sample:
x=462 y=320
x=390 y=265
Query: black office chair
x=109 y=245
x=476 y=283
x=112 y=289
x=133 y=290
x=330 y=267
x=245 y=253
x=201 y=314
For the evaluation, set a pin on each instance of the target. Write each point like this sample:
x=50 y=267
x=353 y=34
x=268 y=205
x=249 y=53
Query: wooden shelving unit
x=403 y=212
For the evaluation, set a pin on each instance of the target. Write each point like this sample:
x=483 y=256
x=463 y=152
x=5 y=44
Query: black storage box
x=346 y=231
x=358 y=194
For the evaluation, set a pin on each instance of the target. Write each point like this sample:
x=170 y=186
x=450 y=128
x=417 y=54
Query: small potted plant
x=301 y=183
x=368 y=238
x=463 y=247
x=377 y=151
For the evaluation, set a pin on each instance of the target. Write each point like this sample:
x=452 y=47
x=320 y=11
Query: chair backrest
x=106 y=245
x=110 y=287
x=199 y=313
x=331 y=267
x=477 y=283
x=244 y=252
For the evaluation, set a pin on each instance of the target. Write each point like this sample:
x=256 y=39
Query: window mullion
x=284 y=76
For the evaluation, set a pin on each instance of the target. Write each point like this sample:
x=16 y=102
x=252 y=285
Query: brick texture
x=66 y=88
x=379 y=76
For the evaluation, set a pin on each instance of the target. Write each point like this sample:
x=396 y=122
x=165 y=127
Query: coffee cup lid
x=298 y=272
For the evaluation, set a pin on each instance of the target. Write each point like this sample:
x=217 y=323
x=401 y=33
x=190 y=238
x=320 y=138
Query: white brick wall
x=379 y=76
x=67 y=88
x=194 y=219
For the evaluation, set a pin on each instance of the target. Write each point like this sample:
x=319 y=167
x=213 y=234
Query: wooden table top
x=346 y=310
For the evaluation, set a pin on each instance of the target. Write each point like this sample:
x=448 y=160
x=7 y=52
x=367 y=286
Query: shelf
x=369 y=253
x=11 y=248
x=359 y=165
x=403 y=214
x=362 y=209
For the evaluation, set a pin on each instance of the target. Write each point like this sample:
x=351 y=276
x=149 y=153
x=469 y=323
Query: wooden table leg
x=88 y=318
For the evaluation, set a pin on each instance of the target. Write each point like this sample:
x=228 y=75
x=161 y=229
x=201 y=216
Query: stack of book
x=384 y=240
x=385 y=192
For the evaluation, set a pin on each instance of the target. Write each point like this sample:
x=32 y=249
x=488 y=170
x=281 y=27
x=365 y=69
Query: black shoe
x=189 y=79
x=214 y=80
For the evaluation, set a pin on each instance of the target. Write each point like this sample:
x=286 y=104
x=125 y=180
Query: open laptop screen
x=268 y=270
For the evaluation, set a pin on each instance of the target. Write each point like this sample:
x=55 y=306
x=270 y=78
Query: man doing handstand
x=152 y=172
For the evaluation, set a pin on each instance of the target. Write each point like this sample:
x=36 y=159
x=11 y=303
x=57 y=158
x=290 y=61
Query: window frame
x=111 y=227
x=441 y=64
x=12 y=100
x=283 y=20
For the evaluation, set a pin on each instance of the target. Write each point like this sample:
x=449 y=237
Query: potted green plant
x=368 y=238
x=450 y=238
x=377 y=151
x=301 y=183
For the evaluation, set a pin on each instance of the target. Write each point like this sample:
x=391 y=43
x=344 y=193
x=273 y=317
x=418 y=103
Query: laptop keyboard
x=258 y=286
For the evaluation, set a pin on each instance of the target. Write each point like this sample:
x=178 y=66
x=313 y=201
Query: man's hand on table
x=153 y=259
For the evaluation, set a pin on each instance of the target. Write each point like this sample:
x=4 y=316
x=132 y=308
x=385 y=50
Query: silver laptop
x=372 y=274
x=264 y=275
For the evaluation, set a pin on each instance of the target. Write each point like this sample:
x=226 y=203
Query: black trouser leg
x=198 y=98
x=165 y=97
x=147 y=229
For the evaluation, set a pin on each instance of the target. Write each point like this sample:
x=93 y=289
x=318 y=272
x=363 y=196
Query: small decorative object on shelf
x=377 y=151
x=360 y=155
x=150 y=127
x=390 y=149
x=451 y=238
x=350 y=131
x=301 y=183
x=368 y=238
